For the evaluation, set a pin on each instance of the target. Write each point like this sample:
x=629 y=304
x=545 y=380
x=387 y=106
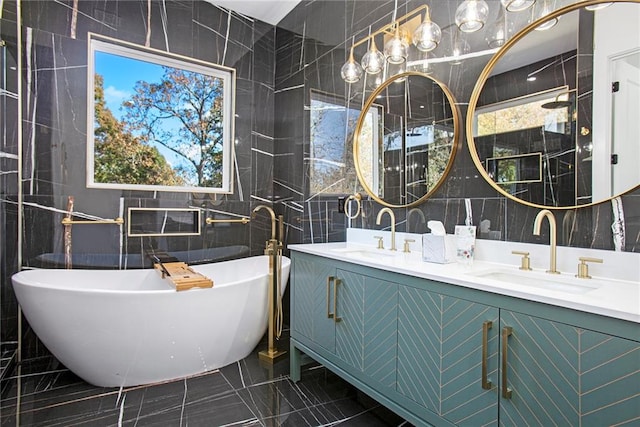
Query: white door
x=625 y=119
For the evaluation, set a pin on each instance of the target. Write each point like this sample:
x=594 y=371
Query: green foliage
x=182 y=112
x=120 y=157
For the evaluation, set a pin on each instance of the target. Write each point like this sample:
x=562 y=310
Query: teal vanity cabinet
x=446 y=353
x=346 y=316
x=560 y=374
x=442 y=354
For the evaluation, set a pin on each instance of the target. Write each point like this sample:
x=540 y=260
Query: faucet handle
x=525 y=263
x=380 y=242
x=406 y=245
x=583 y=267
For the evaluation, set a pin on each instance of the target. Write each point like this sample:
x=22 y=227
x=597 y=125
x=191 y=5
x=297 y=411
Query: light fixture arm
x=394 y=26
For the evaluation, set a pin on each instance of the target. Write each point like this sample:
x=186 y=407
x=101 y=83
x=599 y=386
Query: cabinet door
x=563 y=375
x=366 y=325
x=609 y=380
x=313 y=301
x=440 y=355
x=542 y=371
x=349 y=317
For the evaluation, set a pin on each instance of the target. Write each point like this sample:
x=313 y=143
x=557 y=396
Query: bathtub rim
x=17 y=278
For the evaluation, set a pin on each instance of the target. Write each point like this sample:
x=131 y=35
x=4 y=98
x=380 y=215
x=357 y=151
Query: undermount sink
x=540 y=280
x=366 y=253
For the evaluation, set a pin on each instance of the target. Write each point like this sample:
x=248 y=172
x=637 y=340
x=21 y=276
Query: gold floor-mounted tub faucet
x=273 y=250
x=546 y=213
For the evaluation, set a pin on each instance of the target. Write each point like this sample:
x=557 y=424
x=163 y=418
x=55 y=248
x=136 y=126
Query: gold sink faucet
x=546 y=213
x=393 y=225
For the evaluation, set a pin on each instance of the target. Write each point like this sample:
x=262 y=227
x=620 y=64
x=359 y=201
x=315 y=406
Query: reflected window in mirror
x=331 y=167
x=577 y=132
x=525 y=113
x=417 y=124
x=161 y=122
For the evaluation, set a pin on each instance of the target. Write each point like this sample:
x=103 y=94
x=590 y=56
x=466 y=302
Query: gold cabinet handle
x=335 y=300
x=506 y=331
x=329 y=280
x=486 y=384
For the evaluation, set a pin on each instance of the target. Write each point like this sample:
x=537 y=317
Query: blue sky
x=120 y=75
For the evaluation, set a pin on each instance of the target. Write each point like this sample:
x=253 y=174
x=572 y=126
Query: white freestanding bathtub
x=128 y=327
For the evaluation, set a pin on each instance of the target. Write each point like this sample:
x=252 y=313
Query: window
x=331 y=163
x=523 y=113
x=157 y=121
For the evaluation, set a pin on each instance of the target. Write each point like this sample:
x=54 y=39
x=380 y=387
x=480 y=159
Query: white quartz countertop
x=611 y=297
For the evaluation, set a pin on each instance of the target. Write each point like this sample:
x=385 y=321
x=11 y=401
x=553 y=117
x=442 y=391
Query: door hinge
x=614 y=159
x=615 y=87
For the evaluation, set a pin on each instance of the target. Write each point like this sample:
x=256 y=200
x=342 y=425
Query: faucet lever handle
x=380 y=242
x=525 y=263
x=583 y=267
x=406 y=245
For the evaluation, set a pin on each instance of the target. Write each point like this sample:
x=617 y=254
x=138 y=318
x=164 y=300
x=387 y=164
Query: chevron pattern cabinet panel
x=350 y=309
x=419 y=346
x=542 y=372
x=463 y=400
x=310 y=302
x=609 y=380
x=440 y=356
x=564 y=375
x=381 y=330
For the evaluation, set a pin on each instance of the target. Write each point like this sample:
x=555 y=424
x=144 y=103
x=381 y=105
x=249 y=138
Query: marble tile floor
x=246 y=393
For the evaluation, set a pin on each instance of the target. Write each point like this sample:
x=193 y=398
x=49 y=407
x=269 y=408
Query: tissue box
x=438 y=249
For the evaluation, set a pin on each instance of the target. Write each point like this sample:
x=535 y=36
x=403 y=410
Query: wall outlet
x=341 y=204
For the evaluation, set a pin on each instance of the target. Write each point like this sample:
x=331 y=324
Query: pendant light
x=598 y=6
x=351 y=71
x=459 y=47
x=428 y=34
x=517 y=5
x=545 y=10
x=373 y=60
x=397 y=48
x=498 y=33
x=471 y=15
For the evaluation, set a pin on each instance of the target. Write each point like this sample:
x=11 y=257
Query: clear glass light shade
x=471 y=15
x=459 y=49
x=427 y=36
x=396 y=49
x=395 y=69
x=418 y=61
x=351 y=71
x=544 y=11
x=597 y=6
x=373 y=61
x=517 y=5
x=500 y=31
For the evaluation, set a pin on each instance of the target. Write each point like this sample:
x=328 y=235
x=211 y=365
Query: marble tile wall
x=312 y=44
x=8 y=171
x=54 y=84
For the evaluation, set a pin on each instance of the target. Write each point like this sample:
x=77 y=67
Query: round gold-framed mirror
x=405 y=139
x=547 y=124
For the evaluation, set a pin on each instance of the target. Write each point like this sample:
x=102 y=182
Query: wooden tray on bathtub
x=182 y=276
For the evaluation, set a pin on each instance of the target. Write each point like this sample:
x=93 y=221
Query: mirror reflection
x=405 y=139
x=553 y=120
